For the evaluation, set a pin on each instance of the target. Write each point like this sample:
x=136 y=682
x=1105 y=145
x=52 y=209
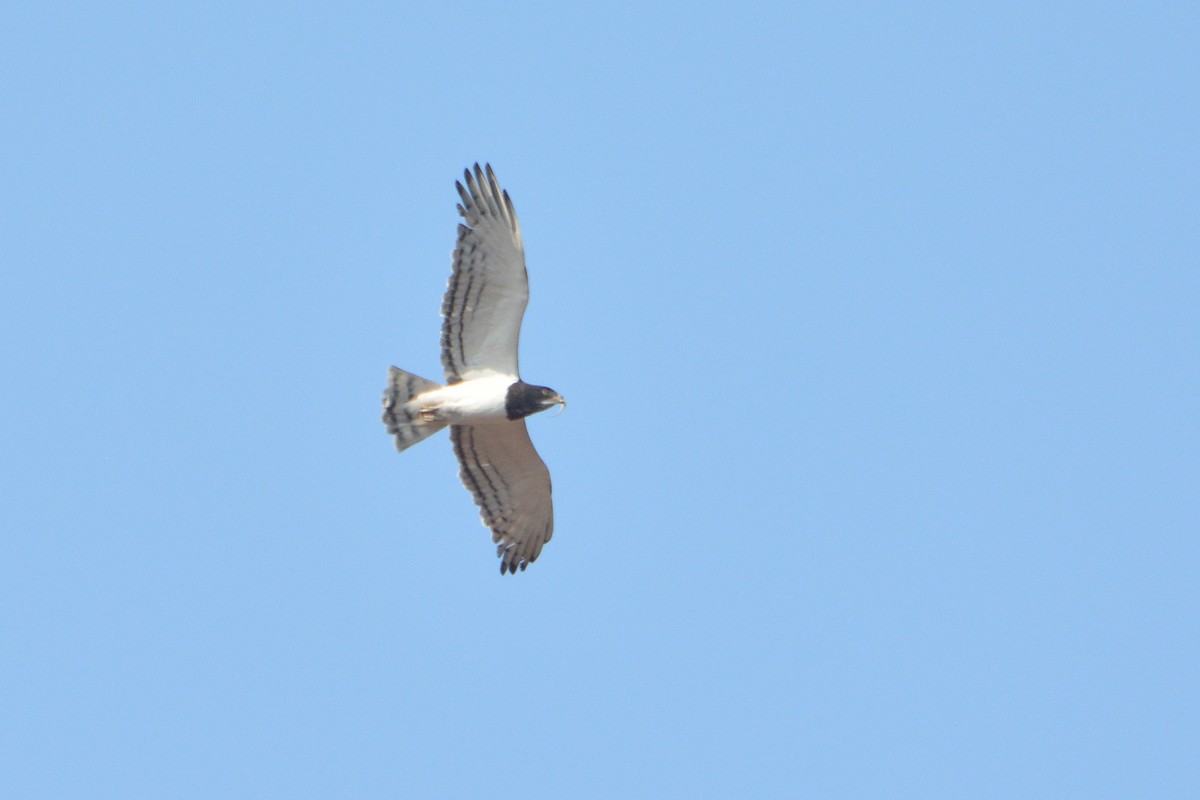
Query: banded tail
x=401 y=420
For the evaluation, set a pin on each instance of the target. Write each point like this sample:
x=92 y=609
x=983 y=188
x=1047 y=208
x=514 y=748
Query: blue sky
x=879 y=326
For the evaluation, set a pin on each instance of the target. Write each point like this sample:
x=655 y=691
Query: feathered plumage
x=484 y=400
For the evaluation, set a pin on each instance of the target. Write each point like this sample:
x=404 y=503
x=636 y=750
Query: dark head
x=524 y=399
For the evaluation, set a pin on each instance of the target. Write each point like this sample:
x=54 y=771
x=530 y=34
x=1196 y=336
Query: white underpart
x=468 y=402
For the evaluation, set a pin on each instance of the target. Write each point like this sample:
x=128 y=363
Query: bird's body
x=474 y=401
x=484 y=399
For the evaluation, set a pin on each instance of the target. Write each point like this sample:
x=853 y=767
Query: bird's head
x=524 y=399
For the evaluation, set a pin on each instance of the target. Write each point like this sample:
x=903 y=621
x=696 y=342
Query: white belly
x=466 y=402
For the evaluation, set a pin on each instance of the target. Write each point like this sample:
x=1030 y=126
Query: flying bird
x=484 y=400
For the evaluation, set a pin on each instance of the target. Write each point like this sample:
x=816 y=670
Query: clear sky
x=880 y=327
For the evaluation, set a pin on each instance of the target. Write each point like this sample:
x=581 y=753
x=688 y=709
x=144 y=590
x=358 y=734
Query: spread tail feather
x=401 y=420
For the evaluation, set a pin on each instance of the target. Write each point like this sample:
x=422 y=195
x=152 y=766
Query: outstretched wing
x=489 y=288
x=511 y=486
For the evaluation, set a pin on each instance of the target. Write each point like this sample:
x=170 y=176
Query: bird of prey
x=484 y=400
